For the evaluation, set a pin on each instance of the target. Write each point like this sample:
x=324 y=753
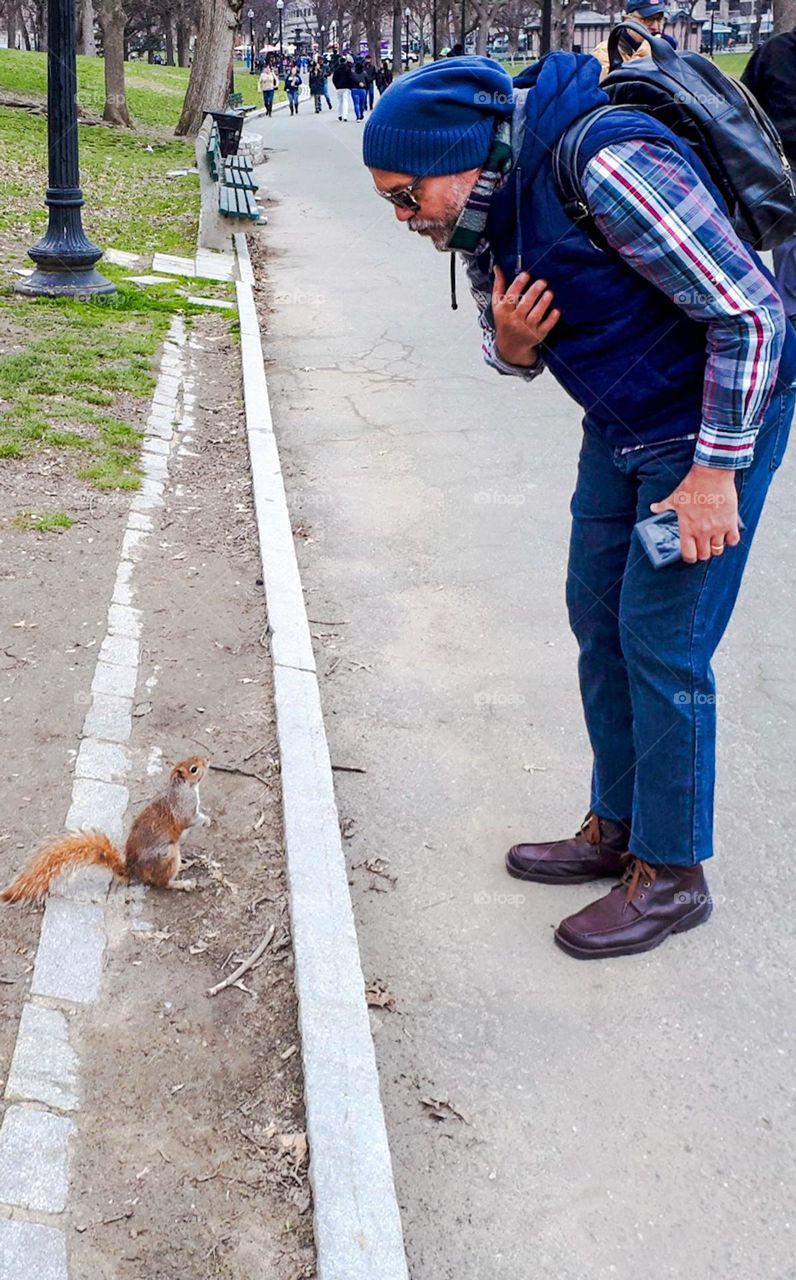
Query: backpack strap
x=568 y=166
x=567 y=173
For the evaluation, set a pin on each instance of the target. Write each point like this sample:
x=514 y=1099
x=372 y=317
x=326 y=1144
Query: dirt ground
x=190 y=1160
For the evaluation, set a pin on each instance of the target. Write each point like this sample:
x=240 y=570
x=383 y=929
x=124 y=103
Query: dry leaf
x=293 y=1145
x=378 y=997
x=441 y=1109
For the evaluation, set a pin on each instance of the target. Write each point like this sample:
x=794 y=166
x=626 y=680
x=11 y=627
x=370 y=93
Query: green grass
x=76 y=369
x=732 y=64
x=31 y=522
x=130 y=203
x=75 y=377
x=154 y=94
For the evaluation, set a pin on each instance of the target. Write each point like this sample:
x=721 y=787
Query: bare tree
x=113 y=19
x=397 y=36
x=88 y=43
x=485 y=12
x=209 y=82
x=784 y=16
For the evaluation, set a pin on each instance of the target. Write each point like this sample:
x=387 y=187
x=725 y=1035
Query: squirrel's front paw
x=204 y=820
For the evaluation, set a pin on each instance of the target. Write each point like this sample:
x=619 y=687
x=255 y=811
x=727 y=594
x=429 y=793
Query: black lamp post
x=268 y=39
x=464 y=25
x=407 y=15
x=546 y=32
x=434 y=30
x=322 y=31
x=64 y=257
x=280 y=4
x=713 y=7
x=252 y=68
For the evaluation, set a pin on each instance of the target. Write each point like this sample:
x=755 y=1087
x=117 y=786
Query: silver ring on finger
x=717 y=548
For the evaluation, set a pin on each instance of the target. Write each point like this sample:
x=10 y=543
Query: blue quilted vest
x=627 y=354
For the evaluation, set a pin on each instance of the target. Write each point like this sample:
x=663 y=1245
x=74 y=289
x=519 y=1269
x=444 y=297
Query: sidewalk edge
x=357 y=1222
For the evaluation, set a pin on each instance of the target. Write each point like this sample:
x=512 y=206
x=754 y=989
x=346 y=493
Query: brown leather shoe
x=599 y=849
x=639 y=913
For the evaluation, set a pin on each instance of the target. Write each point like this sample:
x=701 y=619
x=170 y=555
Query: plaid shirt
x=652 y=209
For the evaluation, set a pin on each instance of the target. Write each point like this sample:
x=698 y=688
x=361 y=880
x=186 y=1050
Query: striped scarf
x=469 y=230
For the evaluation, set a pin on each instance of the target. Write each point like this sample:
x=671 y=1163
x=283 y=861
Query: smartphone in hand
x=659 y=535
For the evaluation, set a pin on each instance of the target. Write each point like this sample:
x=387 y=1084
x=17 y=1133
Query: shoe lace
x=632 y=876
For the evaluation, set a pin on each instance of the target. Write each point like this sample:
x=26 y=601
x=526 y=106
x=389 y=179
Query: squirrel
x=151 y=851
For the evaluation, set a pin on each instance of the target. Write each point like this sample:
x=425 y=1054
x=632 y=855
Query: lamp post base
x=65 y=283
x=65 y=258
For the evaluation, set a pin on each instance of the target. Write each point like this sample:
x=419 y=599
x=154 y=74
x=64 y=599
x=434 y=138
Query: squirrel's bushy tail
x=91 y=848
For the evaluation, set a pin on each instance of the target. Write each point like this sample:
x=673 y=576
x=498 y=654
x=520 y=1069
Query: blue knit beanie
x=439 y=118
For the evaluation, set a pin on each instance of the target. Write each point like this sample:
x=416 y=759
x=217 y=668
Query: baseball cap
x=644 y=8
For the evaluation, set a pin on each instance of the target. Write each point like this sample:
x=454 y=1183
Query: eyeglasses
x=403 y=199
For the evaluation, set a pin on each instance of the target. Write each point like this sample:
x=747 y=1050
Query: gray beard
x=440 y=232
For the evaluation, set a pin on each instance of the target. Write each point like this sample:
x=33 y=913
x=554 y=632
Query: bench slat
x=237 y=202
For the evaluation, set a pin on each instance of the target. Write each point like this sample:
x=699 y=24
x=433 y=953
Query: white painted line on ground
x=357 y=1222
x=69 y=957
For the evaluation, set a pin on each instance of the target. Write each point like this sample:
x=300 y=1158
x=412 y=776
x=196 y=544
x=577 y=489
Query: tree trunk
x=168 y=34
x=397 y=37
x=374 y=42
x=209 y=82
x=88 y=43
x=183 y=42
x=784 y=16
x=11 y=24
x=112 y=19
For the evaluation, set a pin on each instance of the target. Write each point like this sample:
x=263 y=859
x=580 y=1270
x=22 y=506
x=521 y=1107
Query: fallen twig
x=347 y=768
x=245 y=966
x=246 y=773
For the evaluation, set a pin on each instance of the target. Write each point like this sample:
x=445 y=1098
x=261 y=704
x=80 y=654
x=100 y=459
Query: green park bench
x=235 y=103
x=235 y=178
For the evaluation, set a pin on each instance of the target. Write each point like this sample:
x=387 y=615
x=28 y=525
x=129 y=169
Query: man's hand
x=522 y=317
x=706 y=503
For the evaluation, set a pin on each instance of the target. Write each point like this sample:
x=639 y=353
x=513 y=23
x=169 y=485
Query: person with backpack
x=770 y=74
x=342 y=81
x=293 y=83
x=669 y=333
x=359 y=89
x=650 y=14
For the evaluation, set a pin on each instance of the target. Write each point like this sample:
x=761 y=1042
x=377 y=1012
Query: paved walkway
x=623 y=1118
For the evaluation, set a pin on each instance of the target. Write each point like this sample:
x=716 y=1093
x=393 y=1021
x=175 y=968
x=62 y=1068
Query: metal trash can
x=230 y=127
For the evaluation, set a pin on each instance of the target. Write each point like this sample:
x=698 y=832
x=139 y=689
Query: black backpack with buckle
x=718 y=117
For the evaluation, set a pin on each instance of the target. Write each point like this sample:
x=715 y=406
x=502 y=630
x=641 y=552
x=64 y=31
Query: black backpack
x=717 y=116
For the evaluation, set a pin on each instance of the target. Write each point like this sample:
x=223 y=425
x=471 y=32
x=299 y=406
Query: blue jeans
x=647 y=637
x=293 y=99
x=358 y=96
x=268 y=99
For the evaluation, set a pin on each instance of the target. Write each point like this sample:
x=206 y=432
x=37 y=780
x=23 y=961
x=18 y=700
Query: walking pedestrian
x=316 y=85
x=383 y=76
x=370 y=81
x=771 y=76
x=359 y=90
x=268 y=83
x=341 y=79
x=293 y=83
x=675 y=344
